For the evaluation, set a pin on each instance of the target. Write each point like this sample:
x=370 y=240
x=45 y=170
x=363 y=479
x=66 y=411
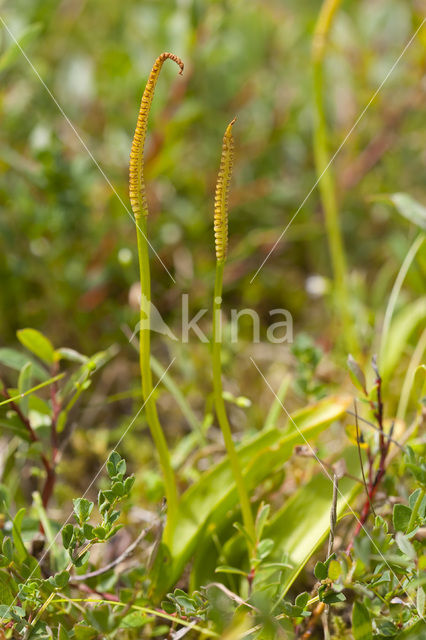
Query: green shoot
x=221 y=245
x=139 y=204
x=326 y=181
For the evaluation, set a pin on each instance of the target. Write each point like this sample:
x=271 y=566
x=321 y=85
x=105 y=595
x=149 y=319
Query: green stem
x=326 y=180
x=221 y=410
x=33 y=389
x=415 y=511
x=145 y=367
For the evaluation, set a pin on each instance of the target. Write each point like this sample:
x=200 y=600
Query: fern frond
x=221 y=195
x=137 y=191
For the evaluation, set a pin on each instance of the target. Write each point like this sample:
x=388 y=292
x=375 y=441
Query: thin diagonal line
x=346 y=138
x=80 y=139
x=89 y=487
x=331 y=480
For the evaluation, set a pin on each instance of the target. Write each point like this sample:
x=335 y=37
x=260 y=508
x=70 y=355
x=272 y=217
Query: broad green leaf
x=334 y=570
x=7 y=548
x=386 y=628
x=134 y=620
x=357 y=374
x=64 y=353
x=21 y=550
x=409 y=208
x=101 y=617
x=401 y=517
x=67 y=532
x=302 y=600
x=38 y=344
x=399 y=334
x=210 y=499
x=320 y=571
x=85 y=632
x=16 y=360
x=6 y=595
x=39 y=405
x=361 y=622
x=297 y=529
x=61 y=579
x=82 y=509
x=333 y=597
x=24 y=384
x=15 y=426
x=405 y=545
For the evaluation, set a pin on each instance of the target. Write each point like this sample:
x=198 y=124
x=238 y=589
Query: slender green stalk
x=221 y=244
x=145 y=368
x=325 y=176
x=33 y=389
x=140 y=210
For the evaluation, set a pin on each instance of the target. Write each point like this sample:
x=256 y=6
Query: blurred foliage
x=68 y=254
x=68 y=267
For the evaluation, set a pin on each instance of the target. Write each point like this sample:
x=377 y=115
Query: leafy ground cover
x=269 y=486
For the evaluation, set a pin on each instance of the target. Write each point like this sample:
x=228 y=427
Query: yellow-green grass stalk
x=325 y=175
x=137 y=193
x=221 y=246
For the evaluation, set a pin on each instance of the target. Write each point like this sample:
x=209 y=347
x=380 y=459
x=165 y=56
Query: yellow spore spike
x=222 y=193
x=137 y=190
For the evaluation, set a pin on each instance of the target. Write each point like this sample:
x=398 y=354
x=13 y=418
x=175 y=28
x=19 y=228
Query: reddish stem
x=56 y=409
x=48 y=465
x=384 y=449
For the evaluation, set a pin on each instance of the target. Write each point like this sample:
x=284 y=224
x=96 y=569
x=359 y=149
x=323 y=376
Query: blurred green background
x=68 y=258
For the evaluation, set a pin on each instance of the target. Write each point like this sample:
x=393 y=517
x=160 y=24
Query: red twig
x=374 y=479
x=49 y=465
